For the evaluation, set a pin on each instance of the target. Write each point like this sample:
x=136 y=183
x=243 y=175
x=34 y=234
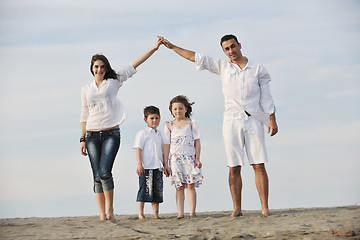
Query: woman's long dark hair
x=110 y=73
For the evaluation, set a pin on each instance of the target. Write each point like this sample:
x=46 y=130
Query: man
x=248 y=105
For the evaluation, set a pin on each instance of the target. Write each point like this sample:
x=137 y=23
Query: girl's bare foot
x=110 y=216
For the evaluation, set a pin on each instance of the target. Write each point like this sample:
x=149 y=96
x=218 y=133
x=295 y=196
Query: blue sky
x=310 y=48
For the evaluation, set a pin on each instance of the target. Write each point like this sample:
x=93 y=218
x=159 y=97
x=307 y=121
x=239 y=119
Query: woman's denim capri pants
x=102 y=147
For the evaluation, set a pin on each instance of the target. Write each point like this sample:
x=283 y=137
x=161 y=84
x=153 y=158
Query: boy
x=150 y=163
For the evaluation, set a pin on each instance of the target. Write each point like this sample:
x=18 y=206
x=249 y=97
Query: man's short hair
x=151 y=110
x=227 y=38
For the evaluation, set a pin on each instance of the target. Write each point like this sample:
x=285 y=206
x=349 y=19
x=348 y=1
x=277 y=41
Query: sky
x=310 y=48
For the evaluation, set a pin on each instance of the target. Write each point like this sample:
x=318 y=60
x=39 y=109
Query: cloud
x=348 y=93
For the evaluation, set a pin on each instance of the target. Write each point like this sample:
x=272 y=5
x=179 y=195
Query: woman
x=101 y=114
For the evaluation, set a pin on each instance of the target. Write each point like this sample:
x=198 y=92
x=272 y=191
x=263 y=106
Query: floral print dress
x=182 y=154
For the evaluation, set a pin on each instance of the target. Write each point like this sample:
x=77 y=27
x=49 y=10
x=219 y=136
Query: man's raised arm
x=189 y=55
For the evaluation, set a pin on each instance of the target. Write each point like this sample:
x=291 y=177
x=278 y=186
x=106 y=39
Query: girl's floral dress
x=182 y=154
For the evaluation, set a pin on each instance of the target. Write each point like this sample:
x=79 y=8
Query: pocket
x=116 y=133
x=230 y=76
x=253 y=86
x=254 y=80
x=87 y=135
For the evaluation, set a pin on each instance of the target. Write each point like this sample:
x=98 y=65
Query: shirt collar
x=93 y=83
x=149 y=129
x=249 y=64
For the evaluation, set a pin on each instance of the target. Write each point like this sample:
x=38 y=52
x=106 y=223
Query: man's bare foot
x=265 y=213
x=236 y=214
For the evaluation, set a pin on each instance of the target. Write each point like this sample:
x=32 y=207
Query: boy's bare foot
x=141 y=216
x=180 y=217
x=192 y=216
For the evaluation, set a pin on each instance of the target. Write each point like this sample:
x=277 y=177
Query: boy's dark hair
x=184 y=100
x=227 y=38
x=151 y=110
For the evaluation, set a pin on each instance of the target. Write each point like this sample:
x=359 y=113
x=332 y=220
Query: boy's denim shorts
x=151 y=186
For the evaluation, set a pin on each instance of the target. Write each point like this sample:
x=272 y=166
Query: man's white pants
x=245 y=134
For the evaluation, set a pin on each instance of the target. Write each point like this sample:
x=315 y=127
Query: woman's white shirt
x=100 y=107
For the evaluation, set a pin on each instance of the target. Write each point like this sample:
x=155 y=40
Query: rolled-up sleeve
x=205 y=62
x=266 y=100
x=84 y=107
x=126 y=73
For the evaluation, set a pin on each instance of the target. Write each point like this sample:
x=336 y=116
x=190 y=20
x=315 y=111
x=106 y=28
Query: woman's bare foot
x=193 y=216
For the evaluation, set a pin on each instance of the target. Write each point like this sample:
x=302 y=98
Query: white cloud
x=347 y=93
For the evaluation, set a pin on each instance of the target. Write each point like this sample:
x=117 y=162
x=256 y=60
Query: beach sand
x=299 y=223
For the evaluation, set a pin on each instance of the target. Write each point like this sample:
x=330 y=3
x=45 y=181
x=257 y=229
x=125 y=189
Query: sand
x=300 y=223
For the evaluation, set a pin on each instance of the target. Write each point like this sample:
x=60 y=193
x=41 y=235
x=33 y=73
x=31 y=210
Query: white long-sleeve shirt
x=100 y=107
x=244 y=89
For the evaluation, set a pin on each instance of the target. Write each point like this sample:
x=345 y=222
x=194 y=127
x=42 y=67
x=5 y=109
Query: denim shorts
x=151 y=186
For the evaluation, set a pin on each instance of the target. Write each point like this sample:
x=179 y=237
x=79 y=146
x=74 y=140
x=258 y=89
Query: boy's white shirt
x=151 y=145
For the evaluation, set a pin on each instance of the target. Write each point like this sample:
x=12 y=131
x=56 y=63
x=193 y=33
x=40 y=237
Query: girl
x=182 y=141
x=101 y=114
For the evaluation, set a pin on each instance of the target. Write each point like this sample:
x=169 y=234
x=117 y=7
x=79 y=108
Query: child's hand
x=167 y=171
x=140 y=170
x=166 y=42
x=198 y=163
x=158 y=43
